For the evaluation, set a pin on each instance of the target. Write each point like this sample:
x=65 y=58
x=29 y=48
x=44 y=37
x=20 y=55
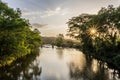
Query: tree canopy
x=16 y=37
x=99 y=33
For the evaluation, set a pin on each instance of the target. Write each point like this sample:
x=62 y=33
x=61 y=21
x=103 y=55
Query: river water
x=57 y=64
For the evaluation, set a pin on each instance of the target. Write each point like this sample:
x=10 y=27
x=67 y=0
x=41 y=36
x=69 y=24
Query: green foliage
x=60 y=40
x=16 y=37
x=48 y=40
x=98 y=34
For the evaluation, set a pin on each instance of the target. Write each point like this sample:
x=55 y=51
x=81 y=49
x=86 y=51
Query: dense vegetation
x=60 y=41
x=99 y=34
x=48 y=40
x=16 y=37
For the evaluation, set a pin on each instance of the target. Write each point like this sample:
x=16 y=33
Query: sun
x=93 y=30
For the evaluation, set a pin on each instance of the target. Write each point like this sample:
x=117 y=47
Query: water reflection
x=90 y=71
x=57 y=64
x=23 y=69
x=59 y=51
x=71 y=64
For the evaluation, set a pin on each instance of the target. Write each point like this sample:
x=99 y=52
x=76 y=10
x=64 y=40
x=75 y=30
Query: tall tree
x=60 y=40
x=15 y=33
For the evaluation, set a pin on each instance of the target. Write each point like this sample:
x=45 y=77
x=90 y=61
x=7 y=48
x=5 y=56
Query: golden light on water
x=94 y=66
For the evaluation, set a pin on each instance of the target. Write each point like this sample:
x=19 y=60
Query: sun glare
x=92 y=30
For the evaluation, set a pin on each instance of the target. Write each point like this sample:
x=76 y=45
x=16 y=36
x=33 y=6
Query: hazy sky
x=50 y=16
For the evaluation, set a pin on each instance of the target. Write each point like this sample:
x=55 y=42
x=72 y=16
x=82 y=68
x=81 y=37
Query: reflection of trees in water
x=60 y=52
x=32 y=72
x=23 y=69
x=91 y=71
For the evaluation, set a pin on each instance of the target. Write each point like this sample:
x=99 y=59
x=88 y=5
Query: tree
x=60 y=40
x=15 y=33
x=79 y=28
x=99 y=34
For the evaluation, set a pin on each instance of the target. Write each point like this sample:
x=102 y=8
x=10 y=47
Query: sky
x=50 y=16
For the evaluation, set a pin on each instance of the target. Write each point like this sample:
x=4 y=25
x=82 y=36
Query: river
x=57 y=64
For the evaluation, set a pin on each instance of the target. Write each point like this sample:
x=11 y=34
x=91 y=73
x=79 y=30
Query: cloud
x=37 y=25
x=50 y=12
x=46 y=13
x=27 y=13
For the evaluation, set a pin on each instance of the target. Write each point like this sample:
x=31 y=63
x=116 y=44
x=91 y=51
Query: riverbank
x=111 y=61
x=7 y=60
x=73 y=64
